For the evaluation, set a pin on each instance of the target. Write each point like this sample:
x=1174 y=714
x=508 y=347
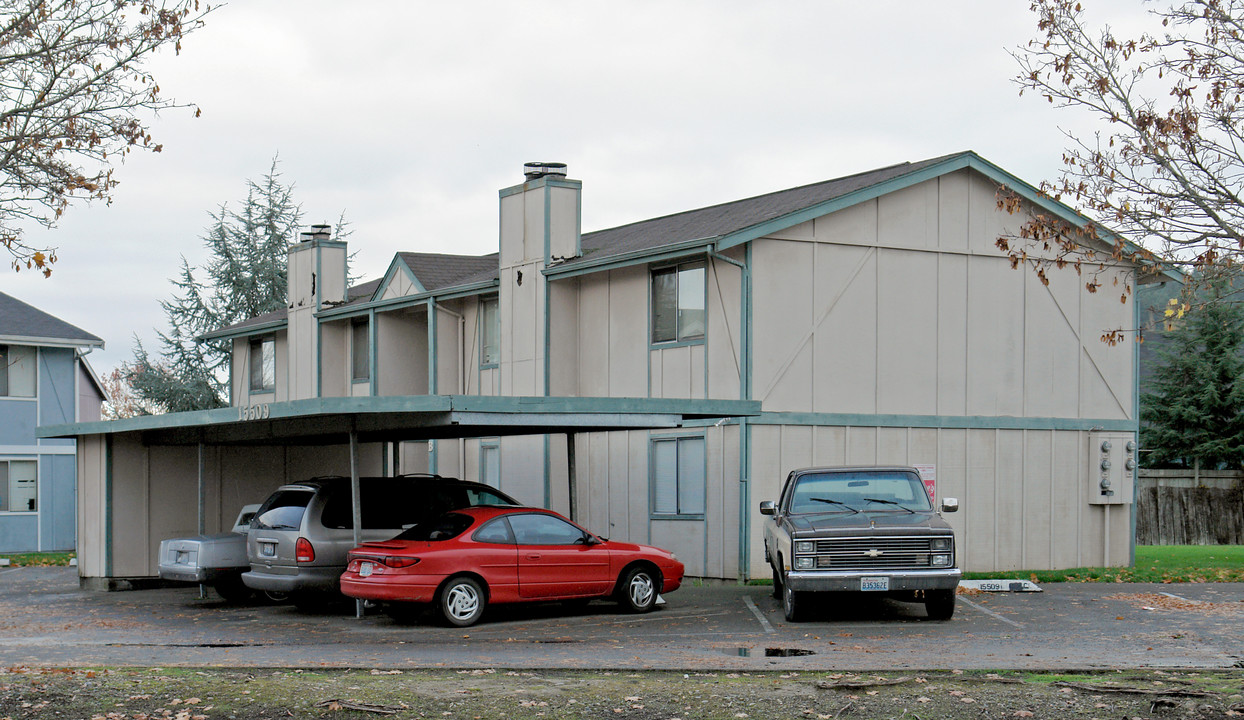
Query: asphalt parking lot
x=46 y=620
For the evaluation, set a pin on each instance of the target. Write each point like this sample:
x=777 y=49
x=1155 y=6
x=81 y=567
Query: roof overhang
x=57 y=342
x=410 y=417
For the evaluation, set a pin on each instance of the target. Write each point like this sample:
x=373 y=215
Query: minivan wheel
x=461 y=602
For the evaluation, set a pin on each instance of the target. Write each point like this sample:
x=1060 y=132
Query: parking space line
x=1176 y=597
x=988 y=612
x=764 y=622
x=9 y=570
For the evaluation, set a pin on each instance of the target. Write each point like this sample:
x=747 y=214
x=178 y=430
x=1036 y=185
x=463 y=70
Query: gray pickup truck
x=860 y=529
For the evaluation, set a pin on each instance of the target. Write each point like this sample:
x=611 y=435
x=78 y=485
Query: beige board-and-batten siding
x=133 y=495
x=1023 y=494
x=903 y=307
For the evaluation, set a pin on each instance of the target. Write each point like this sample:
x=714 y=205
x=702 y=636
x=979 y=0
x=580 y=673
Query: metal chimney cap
x=533 y=170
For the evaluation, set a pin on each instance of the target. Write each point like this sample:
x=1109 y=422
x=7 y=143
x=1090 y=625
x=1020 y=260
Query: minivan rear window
x=401 y=502
x=283 y=510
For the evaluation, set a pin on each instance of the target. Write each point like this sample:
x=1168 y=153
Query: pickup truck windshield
x=866 y=491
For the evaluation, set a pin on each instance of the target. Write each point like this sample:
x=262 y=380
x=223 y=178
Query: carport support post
x=570 y=471
x=356 y=504
x=202 y=509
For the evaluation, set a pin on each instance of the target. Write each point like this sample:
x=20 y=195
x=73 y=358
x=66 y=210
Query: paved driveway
x=46 y=620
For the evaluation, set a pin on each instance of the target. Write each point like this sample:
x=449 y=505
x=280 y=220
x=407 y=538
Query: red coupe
x=468 y=558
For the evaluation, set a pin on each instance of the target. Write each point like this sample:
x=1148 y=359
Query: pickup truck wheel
x=777 y=582
x=792 y=603
x=939 y=604
x=232 y=590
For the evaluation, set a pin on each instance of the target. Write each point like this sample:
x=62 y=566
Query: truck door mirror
x=767 y=508
x=950 y=505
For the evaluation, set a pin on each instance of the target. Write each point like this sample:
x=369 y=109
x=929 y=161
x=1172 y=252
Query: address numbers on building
x=254 y=412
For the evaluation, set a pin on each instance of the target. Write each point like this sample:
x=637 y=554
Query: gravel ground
x=487 y=694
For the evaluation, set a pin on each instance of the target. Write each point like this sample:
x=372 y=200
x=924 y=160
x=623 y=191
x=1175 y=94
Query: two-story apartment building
x=657 y=380
x=44 y=380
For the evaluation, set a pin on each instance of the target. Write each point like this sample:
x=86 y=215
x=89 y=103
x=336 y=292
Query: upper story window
x=678 y=303
x=489 y=333
x=17 y=371
x=263 y=364
x=360 y=351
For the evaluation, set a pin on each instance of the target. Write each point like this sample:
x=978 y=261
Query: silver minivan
x=299 y=538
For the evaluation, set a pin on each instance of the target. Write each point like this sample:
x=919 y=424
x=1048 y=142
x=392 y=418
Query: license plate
x=875 y=584
x=364 y=569
x=267 y=549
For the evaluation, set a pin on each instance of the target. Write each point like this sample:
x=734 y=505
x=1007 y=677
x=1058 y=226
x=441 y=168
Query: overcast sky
x=409 y=116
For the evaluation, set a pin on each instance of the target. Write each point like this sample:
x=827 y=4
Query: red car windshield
x=445 y=527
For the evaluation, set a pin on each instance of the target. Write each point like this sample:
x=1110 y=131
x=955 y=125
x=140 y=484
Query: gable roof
x=717 y=227
x=24 y=324
x=719 y=221
x=436 y=271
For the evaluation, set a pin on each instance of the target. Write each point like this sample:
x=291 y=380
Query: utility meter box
x=1112 y=463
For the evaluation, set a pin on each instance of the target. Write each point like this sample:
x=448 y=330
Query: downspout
x=745 y=391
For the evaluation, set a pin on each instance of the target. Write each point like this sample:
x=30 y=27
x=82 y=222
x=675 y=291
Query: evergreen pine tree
x=245 y=276
x=1196 y=416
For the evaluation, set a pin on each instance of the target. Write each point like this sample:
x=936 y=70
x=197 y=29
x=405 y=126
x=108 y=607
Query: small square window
x=19 y=486
x=17 y=371
x=678 y=303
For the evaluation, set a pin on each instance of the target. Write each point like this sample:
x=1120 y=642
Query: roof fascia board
x=49 y=342
x=359 y=309
x=683 y=249
x=260 y=329
x=467 y=406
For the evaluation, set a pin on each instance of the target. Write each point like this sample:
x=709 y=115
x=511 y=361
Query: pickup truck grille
x=887 y=553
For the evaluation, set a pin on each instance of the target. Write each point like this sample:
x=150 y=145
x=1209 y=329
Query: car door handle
x=533 y=556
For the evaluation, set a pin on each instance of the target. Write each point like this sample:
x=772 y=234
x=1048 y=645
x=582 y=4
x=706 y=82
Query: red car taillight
x=303 y=552
x=400 y=562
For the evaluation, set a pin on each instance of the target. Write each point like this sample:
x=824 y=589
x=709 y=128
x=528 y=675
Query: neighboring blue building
x=44 y=380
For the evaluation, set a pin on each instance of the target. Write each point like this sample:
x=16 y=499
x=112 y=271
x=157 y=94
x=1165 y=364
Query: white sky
x=409 y=116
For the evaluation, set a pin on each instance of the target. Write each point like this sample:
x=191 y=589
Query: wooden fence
x=1178 y=507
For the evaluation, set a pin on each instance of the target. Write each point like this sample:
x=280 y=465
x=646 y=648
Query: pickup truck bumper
x=849 y=581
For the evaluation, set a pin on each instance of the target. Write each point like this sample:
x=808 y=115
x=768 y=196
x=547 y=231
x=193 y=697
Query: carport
x=144 y=479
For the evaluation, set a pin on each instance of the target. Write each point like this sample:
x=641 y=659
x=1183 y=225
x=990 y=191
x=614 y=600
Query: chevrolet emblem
x=874 y=553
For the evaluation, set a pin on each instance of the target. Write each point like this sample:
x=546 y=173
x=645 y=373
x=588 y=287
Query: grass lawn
x=1154 y=563
x=37 y=558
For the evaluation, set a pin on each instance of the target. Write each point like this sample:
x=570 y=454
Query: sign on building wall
x=928 y=473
